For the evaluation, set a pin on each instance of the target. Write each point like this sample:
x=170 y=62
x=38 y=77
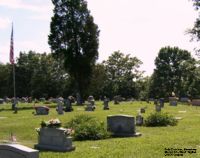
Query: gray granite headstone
x=139 y=120
x=121 y=125
x=59 y=108
x=17 y=151
x=105 y=103
x=54 y=139
x=173 y=101
x=157 y=108
x=1 y=101
x=196 y=102
x=42 y=110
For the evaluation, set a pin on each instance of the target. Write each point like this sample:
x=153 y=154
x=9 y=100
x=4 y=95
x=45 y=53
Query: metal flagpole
x=14 y=81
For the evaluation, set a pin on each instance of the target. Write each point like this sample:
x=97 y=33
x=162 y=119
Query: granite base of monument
x=122 y=126
x=17 y=151
x=54 y=139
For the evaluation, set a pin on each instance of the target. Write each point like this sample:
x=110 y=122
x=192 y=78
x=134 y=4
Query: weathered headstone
x=121 y=125
x=142 y=110
x=14 y=105
x=42 y=110
x=54 y=139
x=89 y=107
x=68 y=105
x=1 y=101
x=196 y=102
x=173 y=101
x=105 y=103
x=91 y=104
x=17 y=151
x=59 y=108
x=116 y=99
x=158 y=108
x=162 y=102
x=139 y=120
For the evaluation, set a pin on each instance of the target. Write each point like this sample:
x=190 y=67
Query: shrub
x=87 y=128
x=160 y=119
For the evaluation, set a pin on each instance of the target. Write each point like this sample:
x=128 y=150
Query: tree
x=122 y=72
x=173 y=72
x=74 y=39
x=195 y=31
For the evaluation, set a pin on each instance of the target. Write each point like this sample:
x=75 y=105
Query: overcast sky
x=135 y=27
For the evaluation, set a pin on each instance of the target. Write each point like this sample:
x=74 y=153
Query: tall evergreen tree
x=74 y=39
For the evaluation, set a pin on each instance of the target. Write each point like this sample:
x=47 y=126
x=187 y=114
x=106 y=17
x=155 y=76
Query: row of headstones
x=55 y=139
x=66 y=105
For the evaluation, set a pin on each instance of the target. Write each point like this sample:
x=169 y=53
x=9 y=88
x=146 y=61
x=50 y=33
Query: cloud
x=4 y=22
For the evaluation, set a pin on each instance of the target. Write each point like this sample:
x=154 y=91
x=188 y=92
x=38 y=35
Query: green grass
x=150 y=145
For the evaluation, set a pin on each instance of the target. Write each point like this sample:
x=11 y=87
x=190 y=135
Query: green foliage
x=74 y=40
x=160 y=119
x=174 y=72
x=121 y=71
x=87 y=128
x=195 y=31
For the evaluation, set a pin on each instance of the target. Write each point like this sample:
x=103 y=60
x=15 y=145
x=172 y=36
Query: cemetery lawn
x=151 y=144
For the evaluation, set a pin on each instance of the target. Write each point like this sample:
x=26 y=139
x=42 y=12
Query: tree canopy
x=74 y=39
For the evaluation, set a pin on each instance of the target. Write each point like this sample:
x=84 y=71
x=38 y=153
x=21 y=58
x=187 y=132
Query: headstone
x=54 y=139
x=162 y=102
x=42 y=110
x=59 y=108
x=14 y=105
x=1 y=101
x=91 y=104
x=139 y=120
x=68 y=105
x=91 y=100
x=173 y=101
x=17 y=151
x=105 y=103
x=158 y=108
x=121 y=125
x=42 y=99
x=196 y=102
x=142 y=110
x=89 y=107
x=116 y=99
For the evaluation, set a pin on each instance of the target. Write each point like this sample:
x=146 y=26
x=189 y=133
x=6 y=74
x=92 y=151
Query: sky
x=135 y=27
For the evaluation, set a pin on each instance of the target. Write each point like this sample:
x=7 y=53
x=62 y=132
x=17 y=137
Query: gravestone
x=173 y=101
x=59 y=108
x=195 y=102
x=116 y=99
x=142 y=110
x=89 y=107
x=158 y=108
x=121 y=125
x=42 y=110
x=42 y=99
x=162 y=102
x=91 y=104
x=1 y=101
x=91 y=100
x=105 y=103
x=14 y=105
x=17 y=151
x=54 y=139
x=68 y=105
x=139 y=120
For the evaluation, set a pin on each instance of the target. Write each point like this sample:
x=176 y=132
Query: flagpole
x=14 y=91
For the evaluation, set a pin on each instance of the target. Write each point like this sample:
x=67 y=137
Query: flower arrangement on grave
x=53 y=123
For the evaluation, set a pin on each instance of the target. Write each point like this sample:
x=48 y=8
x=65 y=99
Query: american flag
x=12 y=48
